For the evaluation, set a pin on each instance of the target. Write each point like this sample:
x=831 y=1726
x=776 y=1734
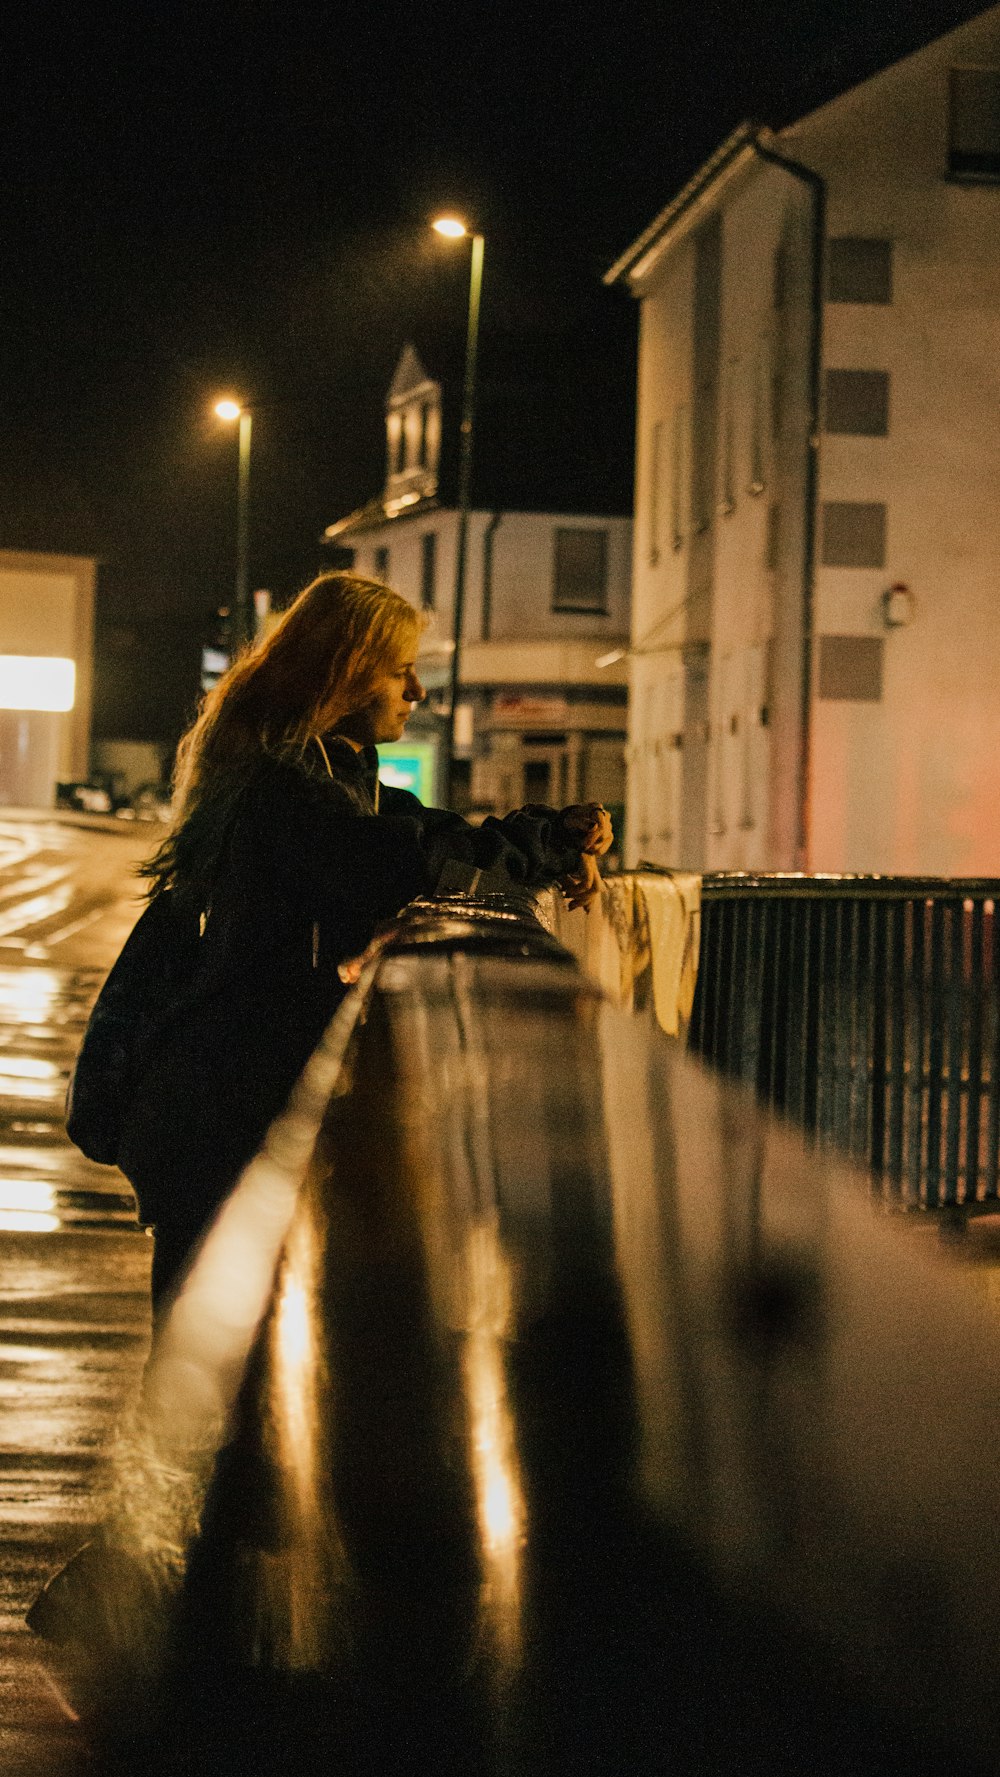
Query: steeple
x=413 y=434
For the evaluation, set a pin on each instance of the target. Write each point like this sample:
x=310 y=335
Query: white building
x=546 y=599
x=46 y=665
x=816 y=652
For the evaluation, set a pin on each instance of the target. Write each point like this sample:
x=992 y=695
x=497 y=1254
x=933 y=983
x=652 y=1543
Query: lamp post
x=243 y=624
x=455 y=230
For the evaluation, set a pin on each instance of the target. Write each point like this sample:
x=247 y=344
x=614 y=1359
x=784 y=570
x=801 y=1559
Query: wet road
x=73 y=1265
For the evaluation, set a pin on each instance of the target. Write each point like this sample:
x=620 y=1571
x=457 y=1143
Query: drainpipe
x=488 y=535
x=817 y=190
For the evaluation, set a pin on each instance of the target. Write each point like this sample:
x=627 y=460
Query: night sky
x=202 y=198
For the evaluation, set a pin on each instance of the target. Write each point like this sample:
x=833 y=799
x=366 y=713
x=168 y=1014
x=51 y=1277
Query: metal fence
x=866 y=1008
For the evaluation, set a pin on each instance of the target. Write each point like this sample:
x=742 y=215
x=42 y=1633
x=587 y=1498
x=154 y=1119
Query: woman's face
x=385 y=715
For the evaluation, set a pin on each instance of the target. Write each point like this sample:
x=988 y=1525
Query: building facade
x=46 y=674
x=541 y=715
x=814 y=657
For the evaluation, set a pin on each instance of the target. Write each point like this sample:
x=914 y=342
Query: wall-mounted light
x=36 y=682
x=898 y=605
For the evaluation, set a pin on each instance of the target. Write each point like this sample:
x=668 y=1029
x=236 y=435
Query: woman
x=286 y=855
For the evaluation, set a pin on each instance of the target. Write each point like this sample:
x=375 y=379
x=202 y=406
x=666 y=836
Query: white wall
x=912 y=784
x=523 y=547
x=713 y=761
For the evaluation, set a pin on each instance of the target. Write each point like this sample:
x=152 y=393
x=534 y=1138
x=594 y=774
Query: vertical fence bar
x=955 y=1009
x=852 y=1021
x=915 y=1120
x=752 y=978
x=722 y=922
x=974 y=1069
x=935 y=1054
x=896 y=955
x=730 y=964
x=858 y=1026
x=872 y=1019
x=794 y=1014
x=811 y=982
x=786 y=926
x=878 y=961
x=992 y=1038
x=824 y=1004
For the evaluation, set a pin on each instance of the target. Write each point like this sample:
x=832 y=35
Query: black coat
x=301 y=879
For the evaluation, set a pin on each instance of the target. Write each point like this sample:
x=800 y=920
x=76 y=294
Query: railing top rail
x=722 y=884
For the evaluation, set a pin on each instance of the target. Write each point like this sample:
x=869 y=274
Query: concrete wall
x=912 y=783
x=904 y=778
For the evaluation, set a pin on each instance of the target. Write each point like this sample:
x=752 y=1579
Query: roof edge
x=717 y=163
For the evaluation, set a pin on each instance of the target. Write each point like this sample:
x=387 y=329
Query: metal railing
x=866 y=1009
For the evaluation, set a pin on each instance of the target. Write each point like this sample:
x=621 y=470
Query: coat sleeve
x=529 y=847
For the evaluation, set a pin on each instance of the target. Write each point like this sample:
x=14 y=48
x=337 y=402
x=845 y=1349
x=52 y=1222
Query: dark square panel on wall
x=854 y=534
x=859 y=269
x=857 y=403
x=850 y=668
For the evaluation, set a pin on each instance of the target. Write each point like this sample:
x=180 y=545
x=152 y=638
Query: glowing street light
x=450 y=227
x=453 y=229
x=243 y=624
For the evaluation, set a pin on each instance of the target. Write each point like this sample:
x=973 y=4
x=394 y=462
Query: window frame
x=563 y=609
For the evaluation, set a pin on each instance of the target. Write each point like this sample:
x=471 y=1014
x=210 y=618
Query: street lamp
x=453 y=229
x=243 y=625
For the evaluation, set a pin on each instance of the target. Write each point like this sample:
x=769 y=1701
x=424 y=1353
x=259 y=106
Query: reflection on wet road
x=73 y=1265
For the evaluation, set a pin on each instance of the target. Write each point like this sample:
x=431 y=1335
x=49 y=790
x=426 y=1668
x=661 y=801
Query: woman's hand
x=591 y=823
x=582 y=887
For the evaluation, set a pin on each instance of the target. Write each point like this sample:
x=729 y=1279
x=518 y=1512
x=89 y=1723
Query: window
x=853 y=534
x=422 y=452
x=850 y=668
x=655 y=449
x=759 y=375
x=428 y=569
x=727 y=501
x=581 y=571
x=382 y=562
x=974 y=124
x=393 y=441
x=401 y=445
x=678 y=467
x=857 y=403
x=772 y=554
x=859 y=270
x=779 y=276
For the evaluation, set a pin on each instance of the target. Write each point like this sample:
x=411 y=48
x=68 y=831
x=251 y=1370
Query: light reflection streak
x=27 y=1354
x=500 y=1505
x=301 y=1588
x=294 y=1358
x=27 y=1067
x=15 y=1086
x=27 y=1194
x=33 y=911
x=15 y=1221
x=37 y=1159
x=28 y=995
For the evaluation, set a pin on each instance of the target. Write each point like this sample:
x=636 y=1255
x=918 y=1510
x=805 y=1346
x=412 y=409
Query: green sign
x=409 y=765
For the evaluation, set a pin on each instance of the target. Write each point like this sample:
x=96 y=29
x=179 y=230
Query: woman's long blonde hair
x=318 y=665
